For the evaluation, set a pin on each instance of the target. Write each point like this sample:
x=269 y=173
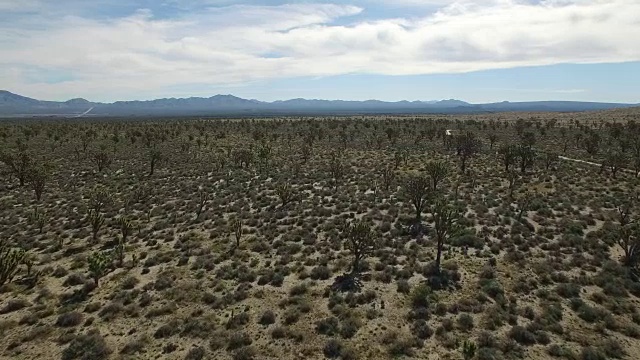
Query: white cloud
x=140 y=54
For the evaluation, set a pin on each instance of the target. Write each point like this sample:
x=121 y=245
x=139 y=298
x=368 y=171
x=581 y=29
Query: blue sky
x=474 y=50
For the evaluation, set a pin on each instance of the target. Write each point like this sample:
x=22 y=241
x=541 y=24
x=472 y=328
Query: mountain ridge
x=17 y=105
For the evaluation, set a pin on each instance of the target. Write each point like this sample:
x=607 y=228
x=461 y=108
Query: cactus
x=10 y=259
x=468 y=349
x=99 y=262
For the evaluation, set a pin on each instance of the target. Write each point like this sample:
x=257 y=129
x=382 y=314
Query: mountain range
x=13 y=105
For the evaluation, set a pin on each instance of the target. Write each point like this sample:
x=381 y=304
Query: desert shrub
x=279 y=332
x=299 y=289
x=568 y=290
x=244 y=353
x=332 y=348
x=632 y=331
x=267 y=318
x=291 y=316
x=487 y=353
x=486 y=339
x=196 y=353
x=590 y=314
x=612 y=349
x=238 y=320
x=401 y=346
x=129 y=282
x=591 y=353
x=349 y=327
x=522 y=335
x=320 y=273
x=133 y=347
x=492 y=288
x=197 y=327
x=328 y=326
x=403 y=286
x=69 y=319
x=167 y=330
x=421 y=329
x=89 y=346
x=74 y=280
x=238 y=340
x=465 y=322
x=420 y=296
x=14 y=305
x=556 y=350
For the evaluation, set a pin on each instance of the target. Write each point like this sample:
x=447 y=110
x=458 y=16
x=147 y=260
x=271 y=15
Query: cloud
x=140 y=54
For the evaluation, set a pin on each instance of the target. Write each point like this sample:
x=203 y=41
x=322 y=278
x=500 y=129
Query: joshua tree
x=38 y=177
x=96 y=220
x=102 y=159
x=243 y=157
x=615 y=161
x=467 y=145
x=417 y=189
x=526 y=155
x=565 y=139
x=285 y=193
x=468 y=350
x=508 y=153
x=305 y=152
x=512 y=177
x=492 y=140
x=39 y=219
x=99 y=198
x=528 y=139
x=445 y=219
x=550 y=158
x=99 y=263
x=592 y=142
x=202 y=202
x=629 y=240
x=155 y=157
x=264 y=155
x=336 y=169
x=400 y=156
x=388 y=175
x=19 y=163
x=10 y=260
x=360 y=240
x=524 y=202
x=236 y=226
x=125 y=226
x=437 y=171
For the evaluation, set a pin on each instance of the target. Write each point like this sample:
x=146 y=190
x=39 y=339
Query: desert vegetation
x=498 y=236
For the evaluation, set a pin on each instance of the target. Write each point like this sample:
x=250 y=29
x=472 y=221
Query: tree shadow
x=349 y=282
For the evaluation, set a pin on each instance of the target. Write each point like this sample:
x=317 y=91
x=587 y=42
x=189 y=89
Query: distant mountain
x=11 y=99
x=17 y=105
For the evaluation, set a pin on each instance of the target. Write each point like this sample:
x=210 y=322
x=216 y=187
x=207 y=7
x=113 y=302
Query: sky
x=472 y=50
